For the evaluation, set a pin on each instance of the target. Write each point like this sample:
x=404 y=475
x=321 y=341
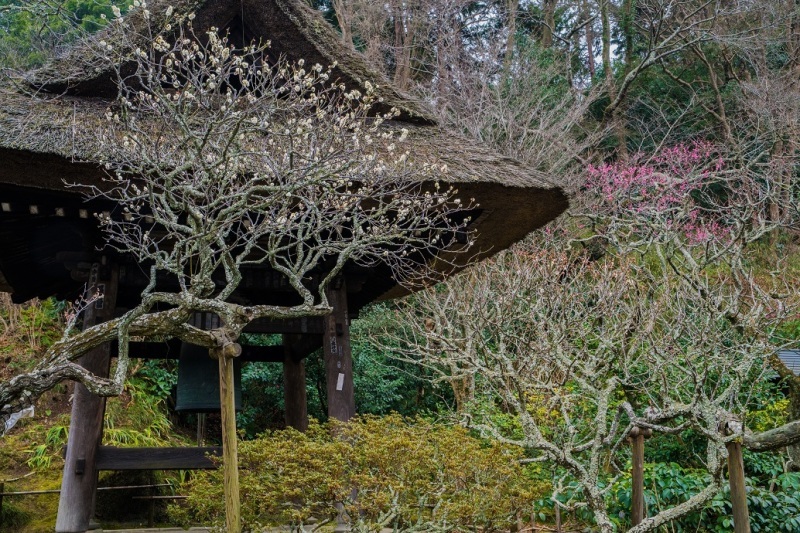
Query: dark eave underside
x=41 y=227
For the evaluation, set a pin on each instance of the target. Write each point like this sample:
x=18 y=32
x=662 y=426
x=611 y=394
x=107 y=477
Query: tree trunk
x=613 y=117
x=585 y=15
x=605 y=23
x=402 y=52
x=512 y=7
x=793 y=35
x=463 y=391
x=626 y=25
x=549 y=17
x=344 y=16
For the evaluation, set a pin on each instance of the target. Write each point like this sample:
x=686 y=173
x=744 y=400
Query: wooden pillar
x=637 y=476
x=294 y=386
x=741 y=516
x=338 y=356
x=79 y=483
x=338 y=369
x=230 y=456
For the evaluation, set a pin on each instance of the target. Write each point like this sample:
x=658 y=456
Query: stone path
x=177 y=530
x=159 y=530
x=190 y=530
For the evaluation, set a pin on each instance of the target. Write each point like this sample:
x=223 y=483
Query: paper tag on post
x=340 y=382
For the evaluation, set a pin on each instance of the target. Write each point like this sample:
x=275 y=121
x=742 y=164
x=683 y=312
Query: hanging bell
x=198 y=381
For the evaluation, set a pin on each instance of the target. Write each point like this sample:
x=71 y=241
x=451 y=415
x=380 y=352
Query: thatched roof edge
x=62 y=126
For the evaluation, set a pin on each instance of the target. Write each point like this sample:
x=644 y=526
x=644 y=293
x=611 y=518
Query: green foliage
x=769 y=407
x=382 y=384
x=29 y=33
x=158 y=377
x=407 y=473
x=773 y=506
x=773 y=502
x=42 y=454
x=26 y=330
x=262 y=398
x=137 y=418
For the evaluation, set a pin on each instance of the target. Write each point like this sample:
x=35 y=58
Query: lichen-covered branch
x=665 y=329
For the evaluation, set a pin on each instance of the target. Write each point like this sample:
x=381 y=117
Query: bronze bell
x=198 y=381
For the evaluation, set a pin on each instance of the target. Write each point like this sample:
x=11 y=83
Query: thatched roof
x=43 y=138
x=294 y=30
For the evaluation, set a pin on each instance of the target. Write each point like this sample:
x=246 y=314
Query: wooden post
x=338 y=356
x=741 y=516
x=151 y=515
x=637 y=476
x=201 y=429
x=79 y=483
x=294 y=388
x=339 y=368
x=230 y=457
x=558 y=518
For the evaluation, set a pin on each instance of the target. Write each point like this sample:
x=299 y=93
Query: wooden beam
x=262 y=354
x=151 y=350
x=310 y=325
x=112 y=458
x=301 y=346
x=338 y=357
x=171 y=350
x=79 y=482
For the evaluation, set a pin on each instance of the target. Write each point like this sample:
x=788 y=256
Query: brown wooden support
x=151 y=514
x=172 y=348
x=79 y=483
x=558 y=519
x=338 y=356
x=338 y=369
x=741 y=516
x=190 y=458
x=637 y=436
x=294 y=386
x=230 y=457
x=201 y=429
x=305 y=325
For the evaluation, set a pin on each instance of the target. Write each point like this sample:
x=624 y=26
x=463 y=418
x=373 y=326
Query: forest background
x=675 y=126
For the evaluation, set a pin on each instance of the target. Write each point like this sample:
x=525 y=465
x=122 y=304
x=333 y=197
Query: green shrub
x=404 y=473
x=774 y=505
x=13 y=517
